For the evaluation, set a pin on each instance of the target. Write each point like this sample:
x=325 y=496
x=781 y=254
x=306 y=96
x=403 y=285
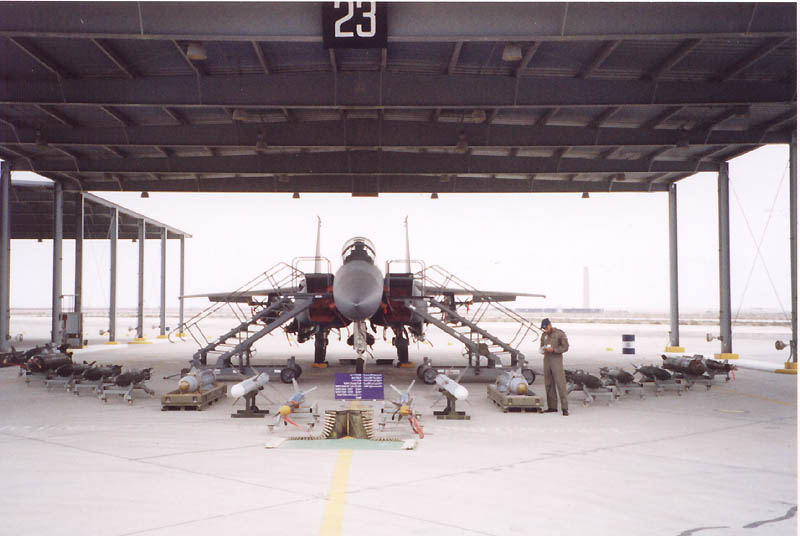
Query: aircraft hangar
x=367 y=99
x=443 y=98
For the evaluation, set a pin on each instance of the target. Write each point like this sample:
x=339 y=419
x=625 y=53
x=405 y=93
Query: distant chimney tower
x=585 y=287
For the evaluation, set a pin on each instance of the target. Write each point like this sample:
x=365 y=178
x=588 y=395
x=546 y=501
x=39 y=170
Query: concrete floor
x=718 y=462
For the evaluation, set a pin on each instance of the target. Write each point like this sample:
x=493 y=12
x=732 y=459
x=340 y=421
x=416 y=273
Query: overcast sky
x=517 y=242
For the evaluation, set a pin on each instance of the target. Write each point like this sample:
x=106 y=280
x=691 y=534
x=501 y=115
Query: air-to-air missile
x=616 y=375
x=653 y=373
x=196 y=380
x=458 y=391
x=291 y=405
x=405 y=408
x=133 y=377
x=686 y=365
x=581 y=379
x=94 y=374
x=249 y=385
x=512 y=382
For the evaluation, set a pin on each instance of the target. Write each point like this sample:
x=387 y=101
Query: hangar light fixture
x=239 y=115
x=462 y=145
x=145 y=195
x=434 y=195
x=585 y=195
x=261 y=145
x=512 y=52
x=296 y=195
x=196 y=52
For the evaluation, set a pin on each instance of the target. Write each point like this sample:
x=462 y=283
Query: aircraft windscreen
x=358 y=248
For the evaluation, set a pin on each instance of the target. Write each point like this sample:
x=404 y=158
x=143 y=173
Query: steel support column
x=5 y=255
x=112 y=307
x=79 y=213
x=140 y=306
x=724 y=260
x=162 y=326
x=674 y=317
x=793 y=237
x=58 y=236
x=180 y=307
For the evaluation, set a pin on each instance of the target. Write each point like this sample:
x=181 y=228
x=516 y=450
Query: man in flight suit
x=552 y=345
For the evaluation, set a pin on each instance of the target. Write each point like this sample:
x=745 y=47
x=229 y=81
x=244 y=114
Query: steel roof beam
x=260 y=55
x=374 y=90
x=58 y=116
x=175 y=115
x=385 y=134
x=384 y=184
x=411 y=22
x=451 y=67
x=602 y=55
x=115 y=58
x=663 y=116
x=40 y=57
x=357 y=162
x=750 y=59
x=683 y=50
x=120 y=118
x=526 y=59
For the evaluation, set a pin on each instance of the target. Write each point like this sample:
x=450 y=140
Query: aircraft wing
x=480 y=295
x=245 y=296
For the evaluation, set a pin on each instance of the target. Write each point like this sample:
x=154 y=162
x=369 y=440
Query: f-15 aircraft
x=359 y=295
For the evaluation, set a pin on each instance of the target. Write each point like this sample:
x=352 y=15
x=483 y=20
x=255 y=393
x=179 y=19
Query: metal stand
x=250 y=409
x=662 y=385
x=450 y=413
x=125 y=392
x=609 y=393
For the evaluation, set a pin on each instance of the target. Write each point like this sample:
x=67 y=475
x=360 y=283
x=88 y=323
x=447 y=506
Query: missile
x=249 y=385
x=451 y=386
x=687 y=365
x=196 y=380
x=512 y=382
x=718 y=366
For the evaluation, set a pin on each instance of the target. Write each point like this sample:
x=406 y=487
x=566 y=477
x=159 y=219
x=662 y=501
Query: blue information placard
x=358 y=386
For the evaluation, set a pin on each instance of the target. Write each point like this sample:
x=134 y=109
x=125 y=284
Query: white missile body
x=249 y=385
x=196 y=380
x=457 y=390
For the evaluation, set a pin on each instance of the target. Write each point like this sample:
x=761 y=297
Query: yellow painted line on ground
x=759 y=397
x=334 y=509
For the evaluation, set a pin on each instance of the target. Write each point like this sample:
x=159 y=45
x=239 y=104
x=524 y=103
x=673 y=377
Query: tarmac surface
x=718 y=462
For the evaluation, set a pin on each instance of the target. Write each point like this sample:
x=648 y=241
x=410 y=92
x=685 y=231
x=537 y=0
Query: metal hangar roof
x=464 y=97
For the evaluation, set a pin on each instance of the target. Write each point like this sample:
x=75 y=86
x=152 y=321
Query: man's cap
x=545 y=322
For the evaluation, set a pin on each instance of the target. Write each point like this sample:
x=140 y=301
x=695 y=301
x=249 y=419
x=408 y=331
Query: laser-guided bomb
x=653 y=373
x=616 y=375
x=196 y=380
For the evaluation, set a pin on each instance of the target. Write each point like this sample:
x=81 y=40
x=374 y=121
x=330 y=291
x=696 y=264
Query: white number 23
x=370 y=15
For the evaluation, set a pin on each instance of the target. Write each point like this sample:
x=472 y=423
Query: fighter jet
x=360 y=297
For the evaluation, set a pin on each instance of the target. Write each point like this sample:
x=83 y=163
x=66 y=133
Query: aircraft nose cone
x=357 y=290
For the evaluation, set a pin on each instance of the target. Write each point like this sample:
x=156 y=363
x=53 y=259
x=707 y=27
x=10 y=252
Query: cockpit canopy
x=358 y=248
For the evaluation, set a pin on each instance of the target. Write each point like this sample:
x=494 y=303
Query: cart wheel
x=420 y=370
x=287 y=374
x=429 y=375
x=529 y=375
x=297 y=371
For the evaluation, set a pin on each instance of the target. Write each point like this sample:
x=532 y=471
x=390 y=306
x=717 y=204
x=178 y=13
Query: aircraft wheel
x=420 y=370
x=297 y=371
x=429 y=375
x=288 y=374
x=529 y=375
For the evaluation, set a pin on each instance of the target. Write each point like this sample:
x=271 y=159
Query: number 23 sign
x=354 y=24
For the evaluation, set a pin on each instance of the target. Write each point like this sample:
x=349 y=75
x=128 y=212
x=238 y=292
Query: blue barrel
x=628 y=344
